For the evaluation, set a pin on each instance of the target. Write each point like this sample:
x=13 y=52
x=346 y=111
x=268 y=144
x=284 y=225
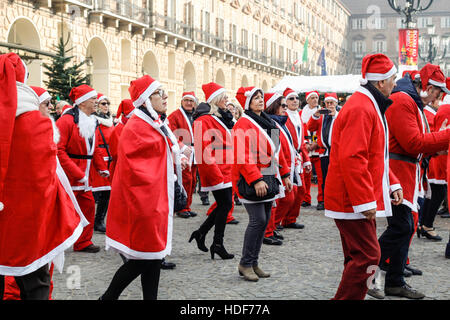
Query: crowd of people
x=382 y=154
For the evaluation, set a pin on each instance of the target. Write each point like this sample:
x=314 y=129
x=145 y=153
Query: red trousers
x=361 y=251
x=87 y=204
x=293 y=207
x=189 y=183
x=279 y=212
x=315 y=161
x=230 y=213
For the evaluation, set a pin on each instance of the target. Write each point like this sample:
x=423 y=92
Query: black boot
x=220 y=250
x=200 y=239
x=99 y=224
x=447 y=251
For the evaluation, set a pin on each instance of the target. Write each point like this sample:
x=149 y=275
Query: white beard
x=56 y=134
x=87 y=125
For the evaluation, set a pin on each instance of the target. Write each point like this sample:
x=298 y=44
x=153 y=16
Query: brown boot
x=248 y=273
x=260 y=273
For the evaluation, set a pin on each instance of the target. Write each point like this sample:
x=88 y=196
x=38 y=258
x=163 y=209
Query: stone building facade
x=182 y=43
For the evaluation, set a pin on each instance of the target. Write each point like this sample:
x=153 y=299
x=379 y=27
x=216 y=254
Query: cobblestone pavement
x=308 y=266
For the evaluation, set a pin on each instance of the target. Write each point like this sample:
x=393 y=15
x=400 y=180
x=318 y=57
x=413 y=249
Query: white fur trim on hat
x=437 y=84
x=2 y=206
x=190 y=96
x=102 y=98
x=381 y=76
x=147 y=93
x=311 y=94
x=249 y=95
x=86 y=97
x=215 y=94
x=291 y=94
x=44 y=97
x=331 y=98
x=273 y=99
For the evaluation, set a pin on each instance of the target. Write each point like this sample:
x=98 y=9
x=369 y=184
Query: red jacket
x=140 y=214
x=358 y=177
x=180 y=125
x=438 y=163
x=72 y=146
x=298 y=137
x=408 y=137
x=213 y=153
x=316 y=125
x=253 y=151
x=98 y=182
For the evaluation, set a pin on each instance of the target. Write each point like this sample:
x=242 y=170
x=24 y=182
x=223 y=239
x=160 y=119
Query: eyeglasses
x=160 y=92
x=294 y=98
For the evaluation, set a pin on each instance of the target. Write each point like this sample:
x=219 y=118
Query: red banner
x=408 y=47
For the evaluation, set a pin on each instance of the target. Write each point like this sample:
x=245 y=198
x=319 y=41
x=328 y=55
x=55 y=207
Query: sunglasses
x=294 y=98
x=284 y=105
x=105 y=103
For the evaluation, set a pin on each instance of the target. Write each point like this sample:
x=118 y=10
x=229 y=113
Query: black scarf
x=265 y=122
x=382 y=101
x=226 y=117
x=281 y=120
x=326 y=126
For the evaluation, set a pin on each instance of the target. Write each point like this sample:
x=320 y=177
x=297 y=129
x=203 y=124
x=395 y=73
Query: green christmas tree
x=62 y=74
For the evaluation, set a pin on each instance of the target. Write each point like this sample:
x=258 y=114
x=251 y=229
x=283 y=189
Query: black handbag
x=180 y=198
x=249 y=192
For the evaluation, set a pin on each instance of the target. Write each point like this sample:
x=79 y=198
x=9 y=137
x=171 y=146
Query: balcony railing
x=123 y=8
x=171 y=25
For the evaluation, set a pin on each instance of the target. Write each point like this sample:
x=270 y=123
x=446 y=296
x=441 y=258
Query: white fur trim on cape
x=106 y=122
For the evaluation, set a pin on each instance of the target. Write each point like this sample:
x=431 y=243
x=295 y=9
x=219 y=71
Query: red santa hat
x=140 y=91
x=12 y=69
x=189 y=95
x=412 y=73
x=101 y=96
x=66 y=108
x=331 y=97
x=289 y=92
x=41 y=93
x=377 y=67
x=311 y=94
x=244 y=95
x=212 y=90
x=126 y=108
x=270 y=98
x=432 y=74
x=81 y=94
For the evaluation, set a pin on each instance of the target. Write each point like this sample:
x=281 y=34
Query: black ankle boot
x=220 y=250
x=200 y=239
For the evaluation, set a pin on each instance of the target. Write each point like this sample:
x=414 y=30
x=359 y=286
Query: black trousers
x=102 y=200
x=438 y=193
x=394 y=244
x=218 y=217
x=149 y=270
x=324 y=163
x=33 y=286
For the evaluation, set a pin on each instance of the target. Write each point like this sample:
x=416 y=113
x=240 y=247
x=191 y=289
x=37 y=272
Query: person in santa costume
x=312 y=106
x=124 y=112
x=101 y=186
x=359 y=183
x=409 y=139
x=323 y=125
x=180 y=121
x=447 y=248
x=275 y=108
x=140 y=216
x=28 y=149
x=212 y=149
x=303 y=167
x=257 y=155
x=78 y=150
x=436 y=113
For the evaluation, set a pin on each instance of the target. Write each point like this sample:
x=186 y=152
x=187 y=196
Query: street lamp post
x=411 y=8
x=431 y=52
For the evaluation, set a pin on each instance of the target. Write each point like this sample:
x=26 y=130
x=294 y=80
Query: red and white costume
x=181 y=126
x=306 y=115
x=140 y=217
x=359 y=178
x=297 y=129
x=212 y=147
x=77 y=151
x=35 y=230
x=106 y=126
x=124 y=112
x=255 y=151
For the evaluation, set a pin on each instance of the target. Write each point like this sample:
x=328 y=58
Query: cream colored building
x=183 y=44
